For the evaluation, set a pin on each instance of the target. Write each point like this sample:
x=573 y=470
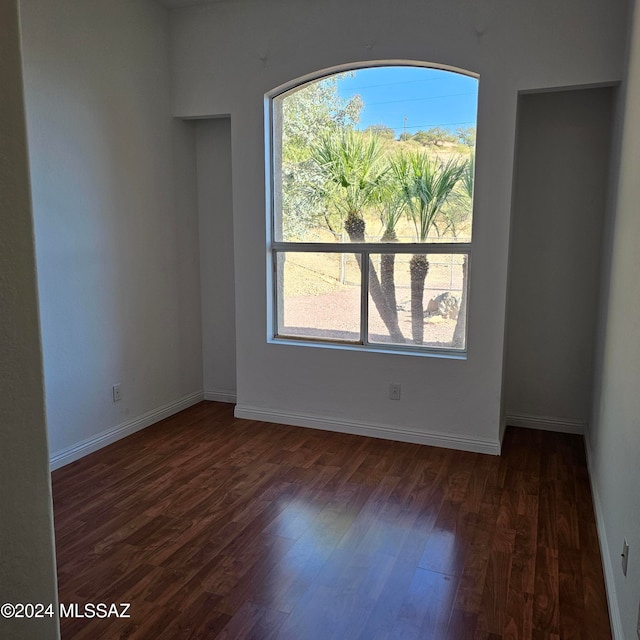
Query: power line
x=441 y=124
x=450 y=95
x=425 y=126
x=389 y=84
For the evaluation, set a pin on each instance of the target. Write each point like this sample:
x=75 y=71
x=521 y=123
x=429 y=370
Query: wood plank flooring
x=213 y=527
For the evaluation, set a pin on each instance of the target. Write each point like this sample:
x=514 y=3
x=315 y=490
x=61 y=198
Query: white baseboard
x=612 y=598
x=84 y=447
x=546 y=423
x=387 y=432
x=221 y=395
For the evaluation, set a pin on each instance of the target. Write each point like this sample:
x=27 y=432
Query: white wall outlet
x=394 y=391
x=117 y=394
x=625 y=556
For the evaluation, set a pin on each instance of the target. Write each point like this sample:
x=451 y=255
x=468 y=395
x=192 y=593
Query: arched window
x=371 y=208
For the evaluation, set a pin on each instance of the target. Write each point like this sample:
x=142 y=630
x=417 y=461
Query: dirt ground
x=336 y=315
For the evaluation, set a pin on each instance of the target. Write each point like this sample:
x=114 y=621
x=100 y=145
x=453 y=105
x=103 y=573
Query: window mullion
x=373 y=247
x=275 y=293
x=364 y=296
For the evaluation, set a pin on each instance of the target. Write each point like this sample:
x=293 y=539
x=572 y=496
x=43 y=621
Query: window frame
x=365 y=249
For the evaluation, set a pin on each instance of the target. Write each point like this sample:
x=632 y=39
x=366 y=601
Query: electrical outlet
x=625 y=556
x=117 y=394
x=394 y=391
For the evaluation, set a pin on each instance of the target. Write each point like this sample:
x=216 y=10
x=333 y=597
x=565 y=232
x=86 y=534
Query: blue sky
x=427 y=97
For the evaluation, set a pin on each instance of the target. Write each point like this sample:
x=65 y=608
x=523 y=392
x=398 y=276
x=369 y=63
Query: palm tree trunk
x=355 y=226
x=387 y=275
x=461 y=324
x=418 y=268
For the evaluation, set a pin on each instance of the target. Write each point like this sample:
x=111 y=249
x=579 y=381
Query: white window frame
x=364 y=249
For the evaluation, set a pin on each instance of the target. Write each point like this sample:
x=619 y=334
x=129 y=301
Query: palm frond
x=351 y=161
x=426 y=184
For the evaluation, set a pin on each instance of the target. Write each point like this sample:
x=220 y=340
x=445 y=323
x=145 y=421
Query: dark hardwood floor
x=213 y=527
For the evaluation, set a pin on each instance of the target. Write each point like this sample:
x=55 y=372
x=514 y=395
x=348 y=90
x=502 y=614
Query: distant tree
x=381 y=131
x=309 y=113
x=435 y=136
x=467 y=136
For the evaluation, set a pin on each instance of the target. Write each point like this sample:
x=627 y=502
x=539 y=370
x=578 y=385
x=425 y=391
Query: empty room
x=319 y=319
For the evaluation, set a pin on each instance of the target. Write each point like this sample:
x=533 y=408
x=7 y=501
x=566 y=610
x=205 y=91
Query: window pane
x=318 y=296
x=418 y=300
x=375 y=155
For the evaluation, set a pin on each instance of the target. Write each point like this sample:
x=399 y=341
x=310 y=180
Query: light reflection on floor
x=343 y=561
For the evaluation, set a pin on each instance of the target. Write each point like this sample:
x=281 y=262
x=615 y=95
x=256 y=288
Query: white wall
x=215 y=214
x=27 y=560
x=614 y=435
x=226 y=56
x=560 y=198
x=115 y=209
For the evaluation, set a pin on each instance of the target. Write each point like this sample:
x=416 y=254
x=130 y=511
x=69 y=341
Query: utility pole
x=404 y=135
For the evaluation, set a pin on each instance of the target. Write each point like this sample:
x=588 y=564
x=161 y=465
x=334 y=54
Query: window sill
x=369 y=348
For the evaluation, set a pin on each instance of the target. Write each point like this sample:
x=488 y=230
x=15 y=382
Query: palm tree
x=461 y=324
x=458 y=208
x=351 y=164
x=426 y=184
x=391 y=206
